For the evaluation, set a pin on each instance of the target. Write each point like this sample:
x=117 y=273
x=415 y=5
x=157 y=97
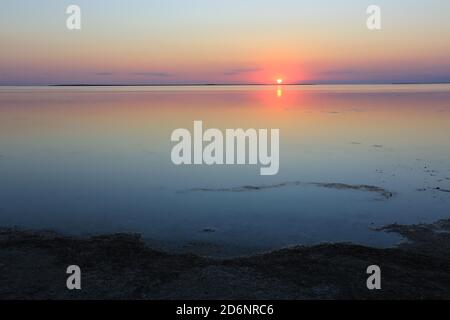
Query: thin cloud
x=152 y=74
x=339 y=72
x=235 y=72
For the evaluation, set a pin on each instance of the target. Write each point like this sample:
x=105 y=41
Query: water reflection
x=98 y=160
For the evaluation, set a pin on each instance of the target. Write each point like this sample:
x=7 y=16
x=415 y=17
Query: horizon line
x=212 y=84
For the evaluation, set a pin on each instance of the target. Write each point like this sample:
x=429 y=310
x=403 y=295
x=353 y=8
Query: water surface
x=97 y=159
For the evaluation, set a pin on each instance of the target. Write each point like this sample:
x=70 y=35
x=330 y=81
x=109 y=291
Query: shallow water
x=97 y=159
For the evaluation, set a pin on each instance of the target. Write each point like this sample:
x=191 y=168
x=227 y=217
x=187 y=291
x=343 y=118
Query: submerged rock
x=386 y=194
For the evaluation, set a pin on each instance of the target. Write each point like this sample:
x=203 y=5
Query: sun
x=279 y=81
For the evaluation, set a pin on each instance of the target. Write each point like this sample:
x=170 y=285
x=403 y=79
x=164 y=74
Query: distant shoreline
x=175 y=85
x=217 y=84
x=239 y=84
x=242 y=84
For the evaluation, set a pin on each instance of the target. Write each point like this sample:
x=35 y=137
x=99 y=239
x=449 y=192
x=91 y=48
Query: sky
x=229 y=41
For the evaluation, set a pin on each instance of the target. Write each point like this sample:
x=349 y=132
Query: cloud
x=339 y=72
x=104 y=73
x=235 y=72
x=152 y=74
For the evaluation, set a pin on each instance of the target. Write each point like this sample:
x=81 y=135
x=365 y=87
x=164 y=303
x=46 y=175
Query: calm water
x=90 y=160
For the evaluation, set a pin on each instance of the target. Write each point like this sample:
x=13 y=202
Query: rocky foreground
x=120 y=266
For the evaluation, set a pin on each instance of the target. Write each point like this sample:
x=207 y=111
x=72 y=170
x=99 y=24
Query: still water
x=88 y=160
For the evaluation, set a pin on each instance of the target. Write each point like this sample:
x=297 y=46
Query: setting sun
x=279 y=81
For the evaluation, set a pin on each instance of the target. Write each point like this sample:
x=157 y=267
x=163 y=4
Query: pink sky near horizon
x=153 y=42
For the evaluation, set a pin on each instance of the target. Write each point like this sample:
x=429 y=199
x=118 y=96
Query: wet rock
x=121 y=266
x=386 y=194
x=208 y=230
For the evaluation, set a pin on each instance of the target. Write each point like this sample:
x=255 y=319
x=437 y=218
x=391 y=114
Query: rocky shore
x=121 y=266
